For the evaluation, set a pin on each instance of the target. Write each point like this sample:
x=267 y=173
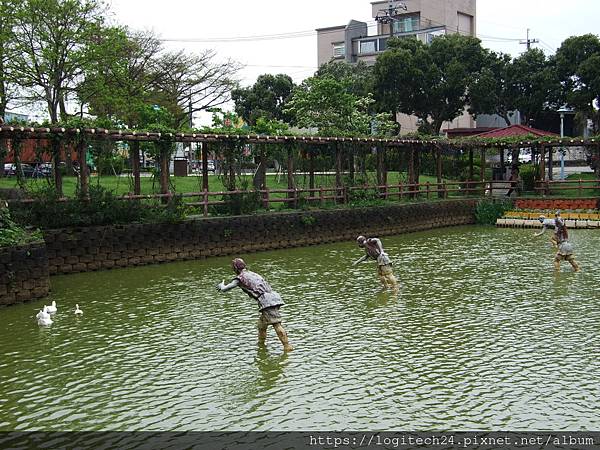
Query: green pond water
x=482 y=335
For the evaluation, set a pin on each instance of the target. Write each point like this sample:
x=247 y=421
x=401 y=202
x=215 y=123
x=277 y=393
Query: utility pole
x=190 y=112
x=387 y=16
x=528 y=42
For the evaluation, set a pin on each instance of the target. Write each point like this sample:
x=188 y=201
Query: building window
x=368 y=46
x=339 y=50
x=382 y=44
x=435 y=34
x=406 y=24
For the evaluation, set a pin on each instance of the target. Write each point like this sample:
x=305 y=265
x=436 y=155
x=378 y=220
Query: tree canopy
x=578 y=68
x=428 y=81
x=266 y=99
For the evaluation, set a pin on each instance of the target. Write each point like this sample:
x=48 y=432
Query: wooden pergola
x=81 y=137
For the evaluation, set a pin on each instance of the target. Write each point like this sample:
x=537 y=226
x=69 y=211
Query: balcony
x=372 y=45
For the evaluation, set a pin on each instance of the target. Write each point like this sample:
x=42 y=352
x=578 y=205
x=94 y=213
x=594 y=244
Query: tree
x=536 y=85
x=7 y=86
x=428 y=81
x=50 y=40
x=358 y=78
x=493 y=90
x=189 y=83
x=120 y=75
x=266 y=99
x=326 y=104
x=578 y=68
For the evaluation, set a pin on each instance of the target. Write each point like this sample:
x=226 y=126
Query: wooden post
x=56 y=157
x=205 y=198
x=418 y=171
x=502 y=164
x=482 y=166
x=135 y=165
x=84 y=187
x=438 y=153
x=311 y=170
x=470 y=168
x=351 y=163
x=266 y=198
x=381 y=170
x=411 y=165
x=260 y=176
x=205 y=166
x=164 y=169
x=542 y=164
x=290 y=175
x=542 y=171
x=338 y=167
x=550 y=162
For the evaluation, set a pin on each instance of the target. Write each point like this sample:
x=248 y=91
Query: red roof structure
x=453 y=133
x=515 y=130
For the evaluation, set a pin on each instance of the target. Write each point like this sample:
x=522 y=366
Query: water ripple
x=482 y=335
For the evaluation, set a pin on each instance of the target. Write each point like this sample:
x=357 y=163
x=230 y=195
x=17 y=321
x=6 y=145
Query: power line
x=528 y=42
x=548 y=46
x=312 y=33
x=280 y=66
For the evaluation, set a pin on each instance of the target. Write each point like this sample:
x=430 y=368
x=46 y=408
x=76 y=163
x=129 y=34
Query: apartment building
x=423 y=19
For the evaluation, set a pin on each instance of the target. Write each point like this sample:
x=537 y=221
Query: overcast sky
x=550 y=21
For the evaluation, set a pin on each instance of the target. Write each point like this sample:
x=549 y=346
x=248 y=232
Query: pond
x=482 y=335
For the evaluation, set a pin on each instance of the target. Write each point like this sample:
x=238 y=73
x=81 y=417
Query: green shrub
x=12 y=234
x=307 y=220
x=360 y=196
x=110 y=164
x=101 y=208
x=245 y=202
x=529 y=173
x=488 y=211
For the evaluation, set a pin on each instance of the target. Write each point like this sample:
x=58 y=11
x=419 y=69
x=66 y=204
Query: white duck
x=52 y=308
x=43 y=318
x=77 y=310
x=41 y=313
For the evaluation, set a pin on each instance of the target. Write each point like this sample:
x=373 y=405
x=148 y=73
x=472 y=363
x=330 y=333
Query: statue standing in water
x=549 y=224
x=374 y=250
x=565 y=248
x=268 y=300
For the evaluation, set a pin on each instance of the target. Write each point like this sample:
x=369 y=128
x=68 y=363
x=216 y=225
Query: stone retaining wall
x=23 y=273
x=99 y=248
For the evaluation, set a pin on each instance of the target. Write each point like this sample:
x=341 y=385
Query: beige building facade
x=423 y=19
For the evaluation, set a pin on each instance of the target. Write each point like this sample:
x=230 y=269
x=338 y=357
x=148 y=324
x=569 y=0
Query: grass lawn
x=124 y=184
x=573 y=190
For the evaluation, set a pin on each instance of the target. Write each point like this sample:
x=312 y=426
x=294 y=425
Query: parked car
x=28 y=170
x=10 y=170
x=45 y=169
x=196 y=165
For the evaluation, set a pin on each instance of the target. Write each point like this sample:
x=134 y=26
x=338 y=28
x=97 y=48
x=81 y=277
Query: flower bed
x=562 y=204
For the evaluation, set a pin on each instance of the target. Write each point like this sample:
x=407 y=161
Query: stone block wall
x=107 y=247
x=23 y=273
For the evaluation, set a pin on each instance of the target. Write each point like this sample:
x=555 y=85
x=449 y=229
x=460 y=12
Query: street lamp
x=562 y=111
